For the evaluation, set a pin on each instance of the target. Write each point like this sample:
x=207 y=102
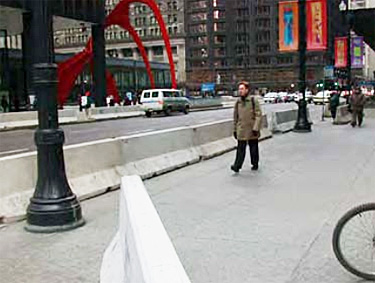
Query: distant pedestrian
x=334 y=102
x=4 y=104
x=247 y=124
x=357 y=101
x=86 y=103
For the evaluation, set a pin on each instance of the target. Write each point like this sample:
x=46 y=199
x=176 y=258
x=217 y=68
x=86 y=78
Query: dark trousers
x=333 y=112
x=357 y=115
x=241 y=153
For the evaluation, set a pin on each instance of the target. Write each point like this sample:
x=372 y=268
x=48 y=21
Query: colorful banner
x=357 y=52
x=316 y=11
x=288 y=26
x=341 y=50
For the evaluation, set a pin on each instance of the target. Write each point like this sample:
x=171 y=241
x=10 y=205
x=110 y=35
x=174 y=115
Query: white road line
x=14 y=151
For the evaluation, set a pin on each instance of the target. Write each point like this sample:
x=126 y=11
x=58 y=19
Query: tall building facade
x=119 y=43
x=232 y=40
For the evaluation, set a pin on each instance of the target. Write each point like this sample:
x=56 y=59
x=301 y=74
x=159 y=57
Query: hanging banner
x=357 y=52
x=341 y=50
x=316 y=11
x=288 y=26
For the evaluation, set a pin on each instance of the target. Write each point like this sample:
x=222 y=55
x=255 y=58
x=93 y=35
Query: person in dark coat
x=334 y=102
x=247 y=123
x=4 y=104
x=357 y=102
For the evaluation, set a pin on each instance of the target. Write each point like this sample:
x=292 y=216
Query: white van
x=164 y=100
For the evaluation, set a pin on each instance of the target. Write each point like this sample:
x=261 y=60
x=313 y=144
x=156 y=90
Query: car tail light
x=161 y=102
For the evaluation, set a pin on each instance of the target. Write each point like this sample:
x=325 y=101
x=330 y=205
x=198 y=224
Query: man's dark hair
x=245 y=84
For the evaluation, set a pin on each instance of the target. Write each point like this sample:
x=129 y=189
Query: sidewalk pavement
x=274 y=225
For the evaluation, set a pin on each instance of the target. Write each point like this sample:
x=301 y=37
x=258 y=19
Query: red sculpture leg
x=111 y=87
x=68 y=72
x=120 y=16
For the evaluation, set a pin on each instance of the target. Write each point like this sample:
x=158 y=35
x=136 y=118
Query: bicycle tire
x=342 y=253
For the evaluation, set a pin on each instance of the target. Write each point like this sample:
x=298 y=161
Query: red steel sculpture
x=69 y=70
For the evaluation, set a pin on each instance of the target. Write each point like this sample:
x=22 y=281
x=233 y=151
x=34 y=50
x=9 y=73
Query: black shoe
x=254 y=168
x=353 y=125
x=235 y=169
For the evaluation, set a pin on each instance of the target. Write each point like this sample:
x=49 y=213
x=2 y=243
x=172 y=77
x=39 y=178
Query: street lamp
x=302 y=124
x=344 y=8
x=53 y=206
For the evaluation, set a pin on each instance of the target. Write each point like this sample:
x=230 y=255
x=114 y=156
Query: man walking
x=247 y=124
x=357 y=102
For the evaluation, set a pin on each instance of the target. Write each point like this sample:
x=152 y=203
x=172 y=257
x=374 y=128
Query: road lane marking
x=14 y=151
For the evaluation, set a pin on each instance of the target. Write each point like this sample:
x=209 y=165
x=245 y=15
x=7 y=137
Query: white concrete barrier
x=284 y=121
x=141 y=251
x=96 y=167
x=343 y=116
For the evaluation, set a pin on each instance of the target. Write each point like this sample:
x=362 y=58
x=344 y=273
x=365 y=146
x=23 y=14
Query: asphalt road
x=20 y=141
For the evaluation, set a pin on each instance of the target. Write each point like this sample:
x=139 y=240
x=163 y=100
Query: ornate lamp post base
x=302 y=124
x=49 y=216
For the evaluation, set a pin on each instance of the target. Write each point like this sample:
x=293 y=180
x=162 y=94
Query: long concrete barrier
x=96 y=167
x=133 y=256
x=343 y=116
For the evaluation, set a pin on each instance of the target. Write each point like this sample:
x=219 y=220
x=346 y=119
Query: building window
x=127 y=52
x=219 y=39
x=265 y=48
x=158 y=50
x=174 y=50
x=263 y=60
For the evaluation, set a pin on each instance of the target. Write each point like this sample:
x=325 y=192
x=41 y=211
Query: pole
x=53 y=206
x=302 y=124
x=324 y=84
x=349 y=53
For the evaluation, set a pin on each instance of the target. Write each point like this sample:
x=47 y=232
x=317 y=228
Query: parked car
x=282 y=96
x=308 y=96
x=270 y=97
x=164 y=100
x=322 y=97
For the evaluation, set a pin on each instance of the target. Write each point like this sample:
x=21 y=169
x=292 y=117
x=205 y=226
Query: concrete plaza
x=274 y=225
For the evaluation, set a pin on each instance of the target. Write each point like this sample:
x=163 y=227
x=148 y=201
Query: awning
x=364 y=25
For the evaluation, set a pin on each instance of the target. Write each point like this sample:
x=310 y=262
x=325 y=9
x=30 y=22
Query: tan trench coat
x=247 y=118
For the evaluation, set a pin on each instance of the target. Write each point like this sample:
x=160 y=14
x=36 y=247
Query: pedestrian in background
x=357 y=102
x=4 y=104
x=334 y=102
x=247 y=125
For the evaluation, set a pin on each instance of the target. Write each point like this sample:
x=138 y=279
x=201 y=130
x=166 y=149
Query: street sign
x=329 y=72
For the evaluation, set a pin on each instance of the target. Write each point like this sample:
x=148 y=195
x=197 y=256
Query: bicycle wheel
x=354 y=241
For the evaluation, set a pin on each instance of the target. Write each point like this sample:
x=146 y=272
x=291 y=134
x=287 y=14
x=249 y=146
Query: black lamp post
x=53 y=206
x=344 y=8
x=302 y=124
